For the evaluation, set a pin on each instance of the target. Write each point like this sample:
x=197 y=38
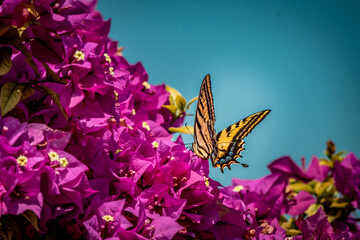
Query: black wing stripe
x=252 y=124
x=204 y=140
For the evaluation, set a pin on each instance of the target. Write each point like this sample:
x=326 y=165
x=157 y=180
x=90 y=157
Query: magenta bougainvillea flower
x=86 y=152
x=347 y=178
x=315 y=227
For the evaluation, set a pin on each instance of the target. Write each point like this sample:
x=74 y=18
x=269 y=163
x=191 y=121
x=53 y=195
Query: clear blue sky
x=301 y=59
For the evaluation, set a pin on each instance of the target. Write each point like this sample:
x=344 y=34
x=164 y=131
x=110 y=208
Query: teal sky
x=301 y=59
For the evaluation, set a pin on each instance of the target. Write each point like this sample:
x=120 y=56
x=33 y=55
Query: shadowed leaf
x=32 y=218
x=3 y=29
x=46 y=48
x=10 y=96
x=54 y=97
x=5 y=60
x=52 y=76
x=12 y=37
x=26 y=92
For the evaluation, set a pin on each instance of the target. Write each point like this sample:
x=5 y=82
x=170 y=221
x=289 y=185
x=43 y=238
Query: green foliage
x=5 y=60
x=10 y=35
x=12 y=93
x=32 y=218
x=178 y=108
x=55 y=97
x=186 y=130
x=336 y=206
x=13 y=227
x=10 y=96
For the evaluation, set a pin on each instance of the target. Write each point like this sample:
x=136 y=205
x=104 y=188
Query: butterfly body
x=225 y=147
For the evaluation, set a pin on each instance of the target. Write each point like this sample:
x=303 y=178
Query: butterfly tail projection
x=229 y=156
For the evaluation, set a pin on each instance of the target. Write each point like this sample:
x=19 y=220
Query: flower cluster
x=277 y=205
x=86 y=153
x=37 y=176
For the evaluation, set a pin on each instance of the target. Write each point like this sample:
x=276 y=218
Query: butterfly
x=225 y=147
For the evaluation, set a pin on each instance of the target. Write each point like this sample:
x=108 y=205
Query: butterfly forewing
x=204 y=121
x=230 y=140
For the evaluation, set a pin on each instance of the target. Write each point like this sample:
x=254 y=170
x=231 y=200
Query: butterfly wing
x=204 y=132
x=229 y=142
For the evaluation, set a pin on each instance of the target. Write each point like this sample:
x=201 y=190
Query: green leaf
x=172 y=91
x=171 y=108
x=50 y=74
x=8 y=34
x=13 y=38
x=26 y=92
x=324 y=188
x=330 y=164
x=173 y=94
x=332 y=218
x=55 y=98
x=5 y=60
x=339 y=204
x=180 y=102
x=186 y=130
x=32 y=218
x=3 y=29
x=300 y=186
x=340 y=154
x=6 y=231
x=312 y=209
x=191 y=101
x=293 y=232
x=10 y=96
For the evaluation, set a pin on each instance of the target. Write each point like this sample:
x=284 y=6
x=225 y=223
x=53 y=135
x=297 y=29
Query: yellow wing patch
x=230 y=140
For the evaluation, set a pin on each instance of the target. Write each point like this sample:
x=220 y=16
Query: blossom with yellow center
x=118 y=150
x=111 y=70
x=238 y=188
x=108 y=218
x=107 y=57
x=116 y=95
x=146 y=85
x=79 y=55
x=133 y=112
x=207 y=181
x=22 y=160
x=155 y=144
x=146 y=125
x=53 y=156
x=63 y=162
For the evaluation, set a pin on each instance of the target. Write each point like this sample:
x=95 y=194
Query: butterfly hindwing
x=204 y=131
x=230 y=140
